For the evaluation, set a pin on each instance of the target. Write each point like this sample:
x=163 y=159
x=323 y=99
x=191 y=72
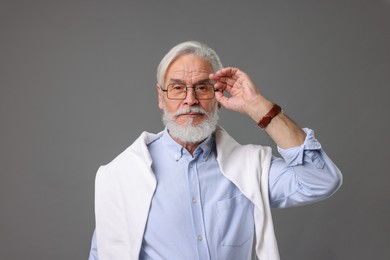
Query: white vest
x=124 y=189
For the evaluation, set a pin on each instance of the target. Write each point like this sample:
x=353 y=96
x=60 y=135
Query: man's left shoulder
x=226 y=144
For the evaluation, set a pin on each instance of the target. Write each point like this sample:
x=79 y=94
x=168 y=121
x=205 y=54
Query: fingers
x=225 y=78
x=228 y=85
x=224 y=74
x=222 y=99
x=228 y=72
x=237 y=86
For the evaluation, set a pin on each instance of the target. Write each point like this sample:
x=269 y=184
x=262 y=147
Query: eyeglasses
x=178 y=91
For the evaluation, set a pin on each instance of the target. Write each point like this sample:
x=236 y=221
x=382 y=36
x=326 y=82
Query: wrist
x=272 y=113
x=259 y=108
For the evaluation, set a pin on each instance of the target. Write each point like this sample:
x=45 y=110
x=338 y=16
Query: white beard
x=190 y=133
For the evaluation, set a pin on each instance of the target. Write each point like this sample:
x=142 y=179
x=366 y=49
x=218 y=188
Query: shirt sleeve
x=93 y=255
x=304 y=174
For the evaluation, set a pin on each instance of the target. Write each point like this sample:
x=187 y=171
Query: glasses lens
x=177 y=91
x=204 y=91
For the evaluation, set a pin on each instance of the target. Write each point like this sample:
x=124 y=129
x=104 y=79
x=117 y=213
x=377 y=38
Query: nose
x=190 y=98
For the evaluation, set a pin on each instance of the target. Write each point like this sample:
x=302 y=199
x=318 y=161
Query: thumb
x=222 y=99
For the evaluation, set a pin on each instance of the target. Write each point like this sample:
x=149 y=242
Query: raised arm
x=305 y=174
x=244 y=97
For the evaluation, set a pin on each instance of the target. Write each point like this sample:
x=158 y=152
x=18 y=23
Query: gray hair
x=191 y=47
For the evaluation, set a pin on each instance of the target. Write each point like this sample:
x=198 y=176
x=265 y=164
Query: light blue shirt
x=196 y=213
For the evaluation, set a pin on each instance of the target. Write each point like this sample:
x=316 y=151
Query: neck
x=190 y=147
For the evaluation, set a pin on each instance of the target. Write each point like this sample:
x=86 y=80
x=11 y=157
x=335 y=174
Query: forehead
x=189 y=68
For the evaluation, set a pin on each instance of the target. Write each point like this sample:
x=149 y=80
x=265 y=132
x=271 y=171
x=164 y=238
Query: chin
x=189 y=122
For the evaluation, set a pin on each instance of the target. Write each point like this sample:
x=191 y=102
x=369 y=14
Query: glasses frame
x=187 y=87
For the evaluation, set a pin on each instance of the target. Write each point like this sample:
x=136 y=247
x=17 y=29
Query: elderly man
x=191 y=191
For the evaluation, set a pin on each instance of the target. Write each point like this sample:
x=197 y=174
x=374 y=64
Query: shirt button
x=200 y=238
x=194 y=200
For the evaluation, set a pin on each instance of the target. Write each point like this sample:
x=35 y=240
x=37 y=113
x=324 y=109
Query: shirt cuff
x=294 y=156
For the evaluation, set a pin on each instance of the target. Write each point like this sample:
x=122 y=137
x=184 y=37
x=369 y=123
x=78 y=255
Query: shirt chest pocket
x=235 y=221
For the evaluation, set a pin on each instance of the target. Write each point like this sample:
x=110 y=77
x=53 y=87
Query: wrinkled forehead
x=189 y=69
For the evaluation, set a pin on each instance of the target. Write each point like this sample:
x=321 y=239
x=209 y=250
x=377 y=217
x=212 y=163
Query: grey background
x=77 y=86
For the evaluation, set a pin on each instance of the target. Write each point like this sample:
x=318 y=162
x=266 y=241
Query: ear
x=160 y=97
x=219 y=104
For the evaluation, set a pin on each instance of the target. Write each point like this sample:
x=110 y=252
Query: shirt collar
x=176 y=151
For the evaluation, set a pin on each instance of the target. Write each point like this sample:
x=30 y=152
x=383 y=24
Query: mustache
x=190 y=110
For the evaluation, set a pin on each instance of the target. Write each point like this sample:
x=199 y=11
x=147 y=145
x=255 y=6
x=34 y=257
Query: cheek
x=169 y=106
x=209 y=106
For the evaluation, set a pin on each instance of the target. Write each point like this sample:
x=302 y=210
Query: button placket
x=196 y=209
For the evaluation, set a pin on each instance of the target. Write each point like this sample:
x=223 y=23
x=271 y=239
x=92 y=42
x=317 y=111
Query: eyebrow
x=181 y=81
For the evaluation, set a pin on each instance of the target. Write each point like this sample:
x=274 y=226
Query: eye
x=203 y=87
x=177 y=87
